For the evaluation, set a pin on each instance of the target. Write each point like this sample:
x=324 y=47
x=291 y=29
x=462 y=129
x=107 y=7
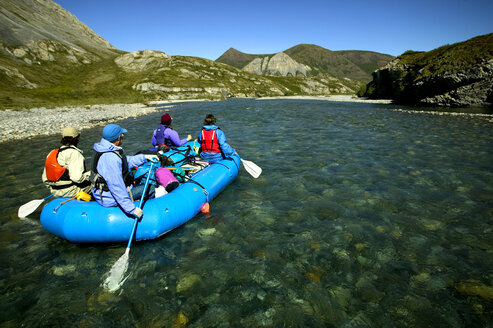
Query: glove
x=81 y=195
x=152 y=158
x=189 y=137
x=137 y=212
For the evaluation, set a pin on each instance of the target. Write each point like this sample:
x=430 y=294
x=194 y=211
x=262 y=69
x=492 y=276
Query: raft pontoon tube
x=88 y=222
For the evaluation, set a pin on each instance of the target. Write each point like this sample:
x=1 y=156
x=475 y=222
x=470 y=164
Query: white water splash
x=115 y=278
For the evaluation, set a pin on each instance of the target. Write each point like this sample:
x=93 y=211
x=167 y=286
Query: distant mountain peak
x=353 y=64
x=24 y=22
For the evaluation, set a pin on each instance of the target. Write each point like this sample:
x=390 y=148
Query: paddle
x=251 y=168
x=30 y=207
x=115 y=277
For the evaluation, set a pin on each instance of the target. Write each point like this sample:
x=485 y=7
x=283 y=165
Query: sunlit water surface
x=364 y=216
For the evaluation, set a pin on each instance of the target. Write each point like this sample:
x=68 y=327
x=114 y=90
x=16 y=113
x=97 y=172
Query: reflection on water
x=364 y=216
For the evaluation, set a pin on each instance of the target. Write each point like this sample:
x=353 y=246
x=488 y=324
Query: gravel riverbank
x=342 y=98
x=49 y=121
x=45 y=121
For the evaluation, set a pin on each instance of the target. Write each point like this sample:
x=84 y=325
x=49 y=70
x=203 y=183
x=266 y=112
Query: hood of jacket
x=104 y=146
x=210 y=127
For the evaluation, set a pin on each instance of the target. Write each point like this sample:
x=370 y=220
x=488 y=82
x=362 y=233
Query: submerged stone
x=187 y=281
x=63 y=270
x=475 y=288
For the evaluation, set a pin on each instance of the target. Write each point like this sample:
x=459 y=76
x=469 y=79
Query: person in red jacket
x=213 y=145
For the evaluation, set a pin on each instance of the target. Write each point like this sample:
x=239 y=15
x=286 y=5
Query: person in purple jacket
x=165 y=137
x=110 y=173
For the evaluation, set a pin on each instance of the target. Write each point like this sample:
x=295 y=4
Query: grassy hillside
x=456 y=75
x=352 y=64
x=450 y=58
x=367 y=61
x=63 y=82
x=49 y=58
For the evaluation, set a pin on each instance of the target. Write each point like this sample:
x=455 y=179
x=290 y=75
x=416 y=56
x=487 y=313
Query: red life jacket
x=209 y=142
x=54 y=171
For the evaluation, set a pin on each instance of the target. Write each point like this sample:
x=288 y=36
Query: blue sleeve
x=110 y=167
x=225 y=147
x=134 y=161
x=153 y=140
x=175 y=138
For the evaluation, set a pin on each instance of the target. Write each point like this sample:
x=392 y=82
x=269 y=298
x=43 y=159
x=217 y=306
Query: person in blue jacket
x=213 y=145
x=164 y=136
x=110 y=174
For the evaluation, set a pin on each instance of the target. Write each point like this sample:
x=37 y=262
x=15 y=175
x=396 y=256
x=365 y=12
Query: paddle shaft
x=47 y=197
x=142 y=206
x=184 y=169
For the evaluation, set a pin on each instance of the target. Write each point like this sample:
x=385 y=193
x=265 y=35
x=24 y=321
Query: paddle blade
x=116 y=276
x=253 y=169
x=28 y=208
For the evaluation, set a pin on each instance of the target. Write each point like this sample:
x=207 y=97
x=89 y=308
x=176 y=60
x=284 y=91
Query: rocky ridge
x=214 y=80
x=49 y=58
x=278 y=65
x=25 y=22
x=451 y=89
x=458 y=75
x=37 y=52
x=310 y=60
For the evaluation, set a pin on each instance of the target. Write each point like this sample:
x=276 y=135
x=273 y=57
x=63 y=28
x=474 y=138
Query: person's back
x=112 y=182
x=164 y=136
x=65 y=173
x=213 y=145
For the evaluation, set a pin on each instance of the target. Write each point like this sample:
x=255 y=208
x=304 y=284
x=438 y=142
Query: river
x=365 y=215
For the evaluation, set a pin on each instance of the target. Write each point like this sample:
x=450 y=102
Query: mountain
x=236 y=58
x=279 y=64
x=49 y=58
x=41 y=47
x=456 y=75
x=25 y=22
x=352 y=64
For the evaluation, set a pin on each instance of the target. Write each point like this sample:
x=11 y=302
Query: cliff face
x=278 y=65
x=458 y=75
x=24 y=22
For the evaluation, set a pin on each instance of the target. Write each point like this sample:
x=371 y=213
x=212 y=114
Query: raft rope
x=206 y=193
x=186 y=156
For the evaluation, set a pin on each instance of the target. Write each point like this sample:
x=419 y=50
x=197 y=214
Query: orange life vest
x=54 y=171
x=209 y=142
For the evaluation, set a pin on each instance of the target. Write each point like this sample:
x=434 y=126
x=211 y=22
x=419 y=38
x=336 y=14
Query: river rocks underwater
x=365 y=215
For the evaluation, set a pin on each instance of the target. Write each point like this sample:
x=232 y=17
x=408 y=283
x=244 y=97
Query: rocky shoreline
x=28 y=123
x=342 y=98
x=44 y=121
x=21 y=124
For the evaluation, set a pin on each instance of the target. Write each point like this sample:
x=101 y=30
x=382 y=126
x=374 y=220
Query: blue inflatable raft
x=89 y=222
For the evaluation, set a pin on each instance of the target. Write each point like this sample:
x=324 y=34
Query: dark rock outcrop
x=458 y=75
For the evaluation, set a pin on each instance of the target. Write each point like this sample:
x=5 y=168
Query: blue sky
x=207 y=28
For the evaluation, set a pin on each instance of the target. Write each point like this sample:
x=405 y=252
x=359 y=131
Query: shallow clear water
x=364 y=216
